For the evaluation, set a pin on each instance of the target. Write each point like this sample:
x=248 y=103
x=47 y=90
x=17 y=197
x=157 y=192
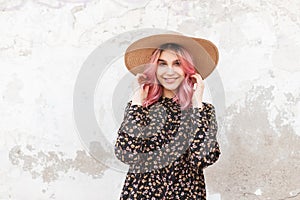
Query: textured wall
x=43 y=44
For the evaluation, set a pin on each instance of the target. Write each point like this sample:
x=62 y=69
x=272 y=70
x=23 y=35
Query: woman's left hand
x=198 y=90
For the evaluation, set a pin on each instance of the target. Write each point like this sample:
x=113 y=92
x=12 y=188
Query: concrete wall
x=43 y=45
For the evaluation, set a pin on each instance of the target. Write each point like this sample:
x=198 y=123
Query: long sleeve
x=129 y=145
x=151 y=140
x=147 y=141
x=204 y=148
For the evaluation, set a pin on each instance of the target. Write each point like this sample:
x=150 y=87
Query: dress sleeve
x=129 y=145
x=204 y=148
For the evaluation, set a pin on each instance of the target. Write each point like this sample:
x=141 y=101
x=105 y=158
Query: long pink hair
x=185 y=90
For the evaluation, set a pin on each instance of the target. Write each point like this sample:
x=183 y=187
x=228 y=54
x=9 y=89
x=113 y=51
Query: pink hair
x=185 y=90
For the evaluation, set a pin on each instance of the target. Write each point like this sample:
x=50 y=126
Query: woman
x=168 y=135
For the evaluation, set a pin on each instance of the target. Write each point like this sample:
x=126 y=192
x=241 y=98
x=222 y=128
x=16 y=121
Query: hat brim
x=204 y=53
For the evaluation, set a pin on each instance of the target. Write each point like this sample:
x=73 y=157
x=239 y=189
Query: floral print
x=166 y=149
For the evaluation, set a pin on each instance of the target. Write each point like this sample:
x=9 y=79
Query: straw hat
x=204 y=53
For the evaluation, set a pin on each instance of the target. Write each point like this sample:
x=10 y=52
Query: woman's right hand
x=142 y=92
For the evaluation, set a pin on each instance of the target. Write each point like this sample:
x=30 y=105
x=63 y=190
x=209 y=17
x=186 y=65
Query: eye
x=177 y=63
x=162 y=64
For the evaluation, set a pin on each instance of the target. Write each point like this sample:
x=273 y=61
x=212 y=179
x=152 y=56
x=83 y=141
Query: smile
x=170 y=80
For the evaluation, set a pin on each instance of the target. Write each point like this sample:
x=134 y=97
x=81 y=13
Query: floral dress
x=166 y=149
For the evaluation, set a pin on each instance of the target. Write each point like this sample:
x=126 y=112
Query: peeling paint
x=255 y=155
x=50 y=165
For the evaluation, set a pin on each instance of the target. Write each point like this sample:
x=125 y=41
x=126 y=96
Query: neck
x=169 y=94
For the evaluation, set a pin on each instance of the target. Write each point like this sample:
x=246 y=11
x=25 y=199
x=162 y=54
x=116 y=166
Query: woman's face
x=169 y=72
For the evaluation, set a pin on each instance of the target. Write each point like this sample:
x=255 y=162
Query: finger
x=141 y=78
x=138 y=76
x=195 y=77
x=147 y=88
x=145 y=91
x=141 y=81
x=195 y=86
x=199 y=78
x=199 y=75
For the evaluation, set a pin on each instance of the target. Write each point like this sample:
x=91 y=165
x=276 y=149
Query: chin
x=170 y=88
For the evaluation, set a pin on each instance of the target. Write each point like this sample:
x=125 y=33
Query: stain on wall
x=49 y=166
x=261 y=158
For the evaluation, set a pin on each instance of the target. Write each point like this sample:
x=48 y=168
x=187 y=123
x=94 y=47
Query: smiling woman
x=168 y=135
x=169 y=73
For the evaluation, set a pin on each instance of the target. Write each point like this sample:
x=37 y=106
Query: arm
x=133 y=147
x=128 y=145
x=204 y=148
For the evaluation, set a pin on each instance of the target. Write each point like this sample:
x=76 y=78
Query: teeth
x=170 y=80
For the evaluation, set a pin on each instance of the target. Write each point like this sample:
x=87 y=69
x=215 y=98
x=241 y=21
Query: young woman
x=168 y=135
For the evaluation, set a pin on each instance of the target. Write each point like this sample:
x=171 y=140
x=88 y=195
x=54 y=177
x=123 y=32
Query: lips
x=170 y=80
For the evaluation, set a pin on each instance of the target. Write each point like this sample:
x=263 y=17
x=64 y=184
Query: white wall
x=43 y=45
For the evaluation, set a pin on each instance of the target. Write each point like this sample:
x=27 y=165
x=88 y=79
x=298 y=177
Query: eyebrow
x=165 y=61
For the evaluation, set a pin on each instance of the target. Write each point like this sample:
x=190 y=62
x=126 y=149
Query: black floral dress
x=167 y=149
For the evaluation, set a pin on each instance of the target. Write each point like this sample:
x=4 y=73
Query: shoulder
x=135 y=107
x=209 y=110
x=208 y=105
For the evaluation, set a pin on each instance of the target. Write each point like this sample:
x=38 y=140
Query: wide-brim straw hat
x=204 y=53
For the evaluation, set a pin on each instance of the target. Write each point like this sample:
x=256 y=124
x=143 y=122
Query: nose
x=170 y=68
x=170 y=72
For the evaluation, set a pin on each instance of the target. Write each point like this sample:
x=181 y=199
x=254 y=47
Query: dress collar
x=163 y=98
x=167 y=101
